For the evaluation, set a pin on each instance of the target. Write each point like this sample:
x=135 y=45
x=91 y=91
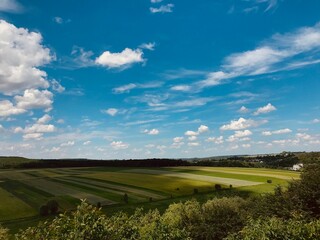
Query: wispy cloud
x=281 y=52
x=162 y=9
x=128 y=87
x=11 y=6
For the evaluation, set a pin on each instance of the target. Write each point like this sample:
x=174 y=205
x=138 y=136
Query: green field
x=22 y=192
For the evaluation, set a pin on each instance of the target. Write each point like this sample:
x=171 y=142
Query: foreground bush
x=3 y=233
x=88 y=223
x=215 y=219
x=278 y=229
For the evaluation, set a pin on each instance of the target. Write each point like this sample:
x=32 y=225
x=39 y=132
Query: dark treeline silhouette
x=281 y=160
x=54 y=163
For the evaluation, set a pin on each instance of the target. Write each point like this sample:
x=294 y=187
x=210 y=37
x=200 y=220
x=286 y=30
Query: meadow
x=23 y=191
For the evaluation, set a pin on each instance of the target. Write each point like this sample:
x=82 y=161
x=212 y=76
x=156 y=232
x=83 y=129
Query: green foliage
x=87 y=223
x=4 y=235
x=278 y=229
x=306 y=192
x=212 y=220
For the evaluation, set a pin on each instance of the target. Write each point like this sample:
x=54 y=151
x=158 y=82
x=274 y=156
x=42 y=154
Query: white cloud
x=86 y=142
x=240 y=134
x=203 y=129
x=241 y=123
x=193 y=144
x=67 y=144
x=304 y=136
x=182 y=88
x=216 y=140
x=121 y=59
x=191 y=133
x=178 y=139
x=280 y=131
x=281 y=52
x=58 y=20
x=56 y=86
x=162 y=9
x=316 y=120
x=192 y=138
x=36 y=136
x=266 y=133
x=243 y=109
x=11 y=6
x=117 y=145
x=111 y=111
x=156 y=1
x=152 y=131
x=149 y=46
x=124 y=88
x=21 y=53
x=45 y=119
x=8 y=109
x=266 y=109
x=35 y=99
x=246 y=145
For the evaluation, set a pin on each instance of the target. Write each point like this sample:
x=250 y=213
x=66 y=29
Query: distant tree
x=44 y=210
x=125 y=198
x=98 y=204
x=217 y=187
x=53 y=206
x=269 y=181
x=195 y=191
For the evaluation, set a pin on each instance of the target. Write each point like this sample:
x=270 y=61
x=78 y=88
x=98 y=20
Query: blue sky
x=144 y=79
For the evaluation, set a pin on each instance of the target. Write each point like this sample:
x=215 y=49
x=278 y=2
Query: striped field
x=22 y=192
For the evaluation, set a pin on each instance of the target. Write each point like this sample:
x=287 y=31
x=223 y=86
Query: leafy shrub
x=44 y=210
x=278 y=229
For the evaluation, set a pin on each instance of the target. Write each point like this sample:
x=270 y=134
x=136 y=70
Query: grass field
x=22 y=192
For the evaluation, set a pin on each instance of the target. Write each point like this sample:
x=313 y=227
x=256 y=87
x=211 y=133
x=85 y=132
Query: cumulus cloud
x=162 y=9
x=45 y=119
x=243 y=109
x=67 y=144
x=316 y=120
x=177 y=139
x=266 y=109
x=35 y=99
x=118 y=145
x=240 y=134
x=216 y=140
x=120 y=59
x=36 y=130
x=7 y=109
x=280 y=131
x=241 y=123
x=86 y=142
x=156 y=1
x=201 y=129
x=21 y=53
x=153 y=131
x=192 y=138
x=193 y=144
